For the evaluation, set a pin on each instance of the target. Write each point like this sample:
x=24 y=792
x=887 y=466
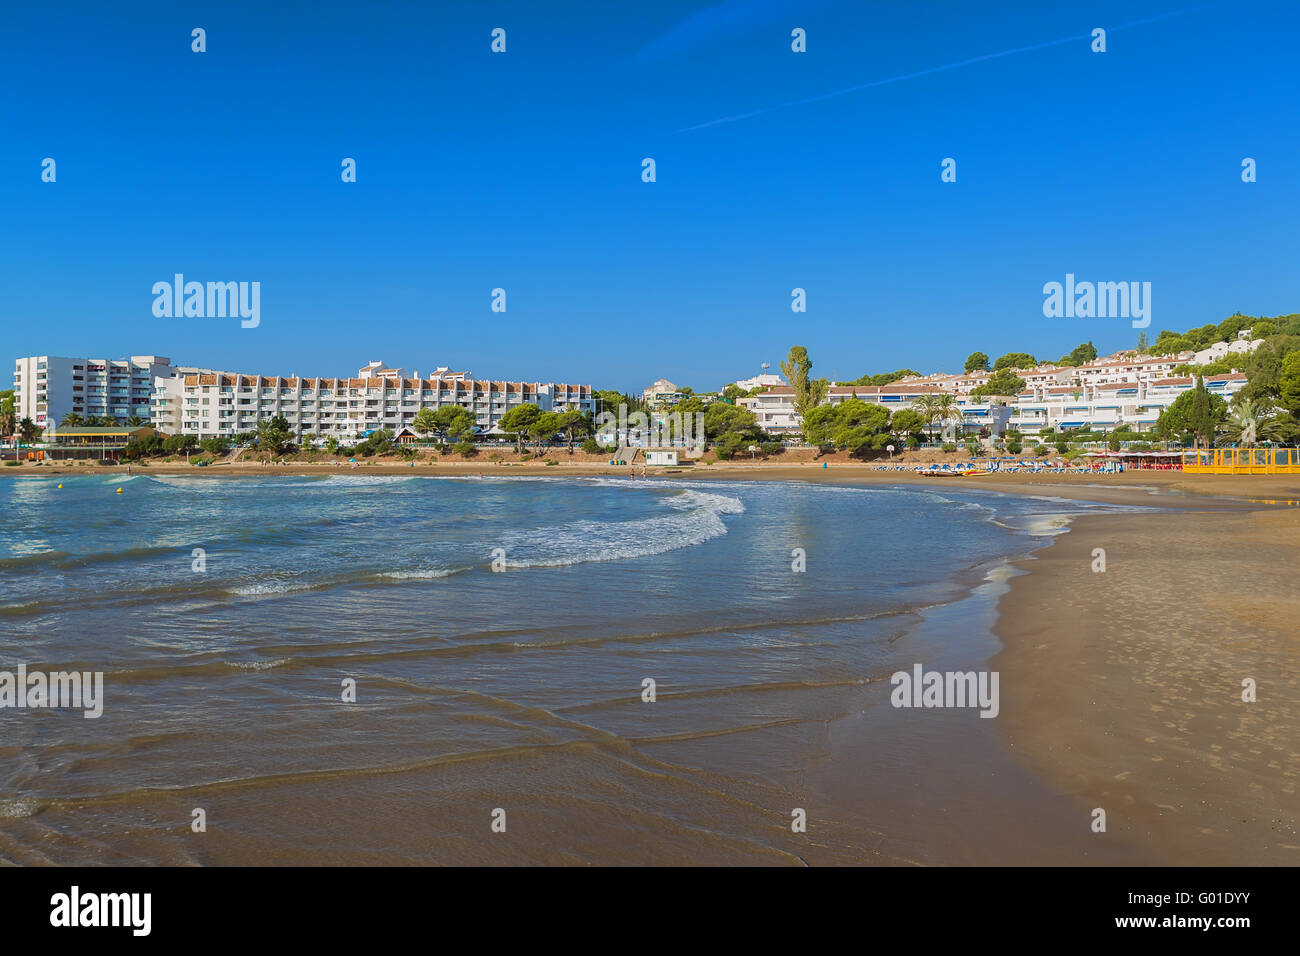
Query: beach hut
x=661 y=456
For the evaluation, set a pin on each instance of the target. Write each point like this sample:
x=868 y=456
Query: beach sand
x=1123 y=688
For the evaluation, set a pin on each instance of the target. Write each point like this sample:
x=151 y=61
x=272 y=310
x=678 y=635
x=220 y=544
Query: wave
x=697 y=518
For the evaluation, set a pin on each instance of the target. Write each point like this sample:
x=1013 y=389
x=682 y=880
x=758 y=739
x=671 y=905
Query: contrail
x=940 y=69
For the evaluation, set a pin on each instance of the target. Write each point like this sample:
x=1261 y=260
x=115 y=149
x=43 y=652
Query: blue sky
x=523 y=171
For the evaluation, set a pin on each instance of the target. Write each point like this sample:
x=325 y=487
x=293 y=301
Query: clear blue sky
x=523 y=170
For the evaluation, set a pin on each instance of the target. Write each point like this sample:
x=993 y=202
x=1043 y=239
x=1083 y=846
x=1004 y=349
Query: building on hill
x=765 y=380
x=661 y=393
x=775 y=412
x=1103 y=406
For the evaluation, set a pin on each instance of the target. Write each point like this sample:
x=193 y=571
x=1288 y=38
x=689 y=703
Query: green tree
x=1002 y=383
x=1082 y=354
x=135 y=421
x=720 y=419
x=28 y=431
x=543 y=428
x=1015 y=360
x=72 y=420
x=8 y=412
x=1195 y=413
x=907 y=421
x=273 y=434
x=424 y=423
x=885 y=378
x=575 y=425
x=976 y=362
x=518 y=420
x=808 y=392
x=454 y=423
x=1288 y=383
x=733 y=392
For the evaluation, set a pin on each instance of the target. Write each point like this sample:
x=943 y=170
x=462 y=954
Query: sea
x=352 y=669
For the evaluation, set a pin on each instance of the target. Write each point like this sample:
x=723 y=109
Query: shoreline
x=1132 y=487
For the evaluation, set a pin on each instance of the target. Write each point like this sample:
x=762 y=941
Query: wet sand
x=1123 y=688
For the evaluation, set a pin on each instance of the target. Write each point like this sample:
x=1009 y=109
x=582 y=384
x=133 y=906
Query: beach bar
x=88 y=442
x=1242 y=461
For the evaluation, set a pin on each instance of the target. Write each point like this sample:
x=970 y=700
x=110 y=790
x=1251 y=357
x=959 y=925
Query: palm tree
x=72 y=420
x=28 y=430
x=135 y=421
x=1249 y=420
x=947 y=408
x=8 y=420
x=927 y=405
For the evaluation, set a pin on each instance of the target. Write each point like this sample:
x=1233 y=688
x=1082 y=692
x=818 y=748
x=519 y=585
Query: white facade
x=1221 y=350
x=775 y=412
x=1105 y=406
x=228 y=404
x=662 y=392
x=766 y=380
x=47 y=387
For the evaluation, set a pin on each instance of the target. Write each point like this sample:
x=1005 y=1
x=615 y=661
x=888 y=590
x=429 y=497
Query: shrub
x=551 y=461
x=771 y=448
x=12 y=464
x=592 y=447
x=1014 y=446
x=466 y=448
x=1042 y=451
x=949 y=447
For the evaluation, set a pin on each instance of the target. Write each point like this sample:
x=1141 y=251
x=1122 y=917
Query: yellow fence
x=1242 y=461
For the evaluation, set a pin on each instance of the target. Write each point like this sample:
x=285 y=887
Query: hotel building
x=227 y=403
x=775 y=412
x=47 y=387
x=1103 y=406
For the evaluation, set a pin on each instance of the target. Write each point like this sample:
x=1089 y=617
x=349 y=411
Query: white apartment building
x=1106 y=405
x=662 y=392
x=225 y=403
x=47 y=387
x=775 y=412
x=765 y=380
